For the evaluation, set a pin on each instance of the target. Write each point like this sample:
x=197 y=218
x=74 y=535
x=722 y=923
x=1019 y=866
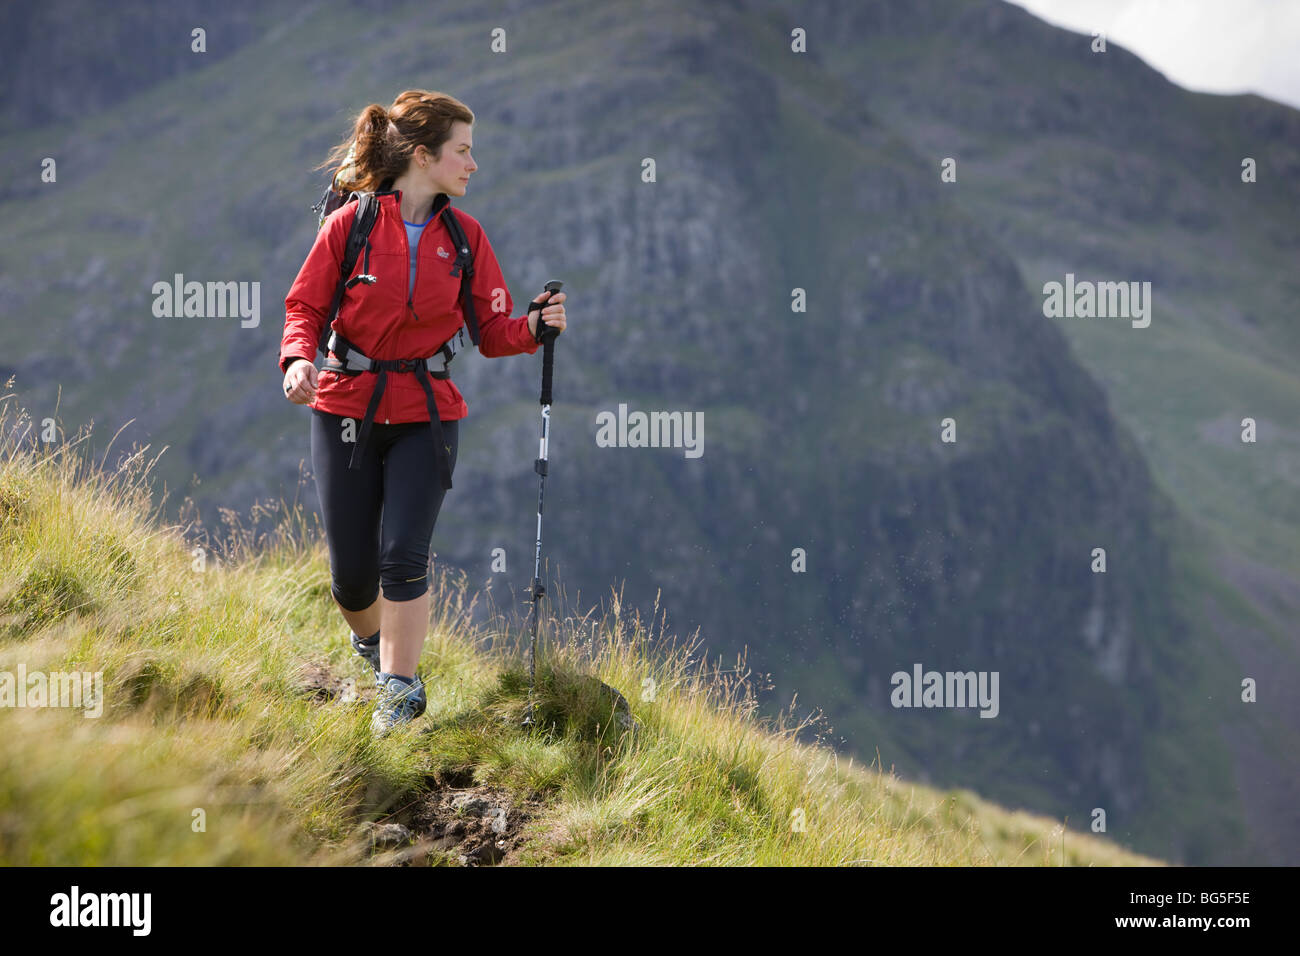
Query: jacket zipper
x=406 y=245
x=410 y=288
x=406 y=269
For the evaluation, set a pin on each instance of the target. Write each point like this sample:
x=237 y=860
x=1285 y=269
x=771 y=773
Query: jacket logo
x=444 y=253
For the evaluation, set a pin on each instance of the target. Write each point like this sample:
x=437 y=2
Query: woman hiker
x=380 y=505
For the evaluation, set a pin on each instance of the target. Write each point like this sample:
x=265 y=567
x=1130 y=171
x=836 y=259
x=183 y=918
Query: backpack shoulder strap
x=358 y=239
x=464 y=266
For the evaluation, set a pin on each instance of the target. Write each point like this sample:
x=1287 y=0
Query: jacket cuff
x=290 y=359
x=528 y=344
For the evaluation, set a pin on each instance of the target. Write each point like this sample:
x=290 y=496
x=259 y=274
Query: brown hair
x=384 y=140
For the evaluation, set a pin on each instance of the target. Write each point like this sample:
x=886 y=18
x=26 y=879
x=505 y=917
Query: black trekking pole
x=547 y=338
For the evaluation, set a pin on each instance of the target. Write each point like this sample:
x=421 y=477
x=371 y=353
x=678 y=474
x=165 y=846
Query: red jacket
x=380 y=321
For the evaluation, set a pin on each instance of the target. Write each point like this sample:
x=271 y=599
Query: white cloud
x=1218 y=46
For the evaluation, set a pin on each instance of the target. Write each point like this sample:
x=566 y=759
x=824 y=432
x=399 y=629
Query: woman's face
x=450 y=174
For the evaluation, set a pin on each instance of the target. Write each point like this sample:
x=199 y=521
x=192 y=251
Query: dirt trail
x=452 y=821
x=469 y=826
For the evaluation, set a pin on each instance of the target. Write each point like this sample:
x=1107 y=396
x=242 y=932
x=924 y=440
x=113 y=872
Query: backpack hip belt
x=348 y=355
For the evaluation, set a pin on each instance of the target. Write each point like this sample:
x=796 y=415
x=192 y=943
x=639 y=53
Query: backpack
x=359 y=238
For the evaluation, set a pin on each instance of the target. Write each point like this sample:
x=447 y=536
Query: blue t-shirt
x=413 y=233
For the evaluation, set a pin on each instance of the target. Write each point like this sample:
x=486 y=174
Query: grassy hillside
x=228 y=688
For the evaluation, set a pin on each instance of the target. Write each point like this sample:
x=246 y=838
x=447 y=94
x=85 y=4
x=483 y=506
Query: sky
x=1213 y=46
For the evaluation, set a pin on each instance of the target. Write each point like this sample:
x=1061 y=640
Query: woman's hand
x=300 y=382
x=552 y=313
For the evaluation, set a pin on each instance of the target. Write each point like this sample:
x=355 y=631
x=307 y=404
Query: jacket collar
x=394 y=196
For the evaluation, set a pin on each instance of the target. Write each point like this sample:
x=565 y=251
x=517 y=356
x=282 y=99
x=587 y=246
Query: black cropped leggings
x=379 y=518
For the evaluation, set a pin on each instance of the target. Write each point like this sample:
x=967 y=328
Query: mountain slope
x=1094 y=164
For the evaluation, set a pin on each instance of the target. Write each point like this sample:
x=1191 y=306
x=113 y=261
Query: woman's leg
x=402 y=633
x=350 y=505
x=412 y=500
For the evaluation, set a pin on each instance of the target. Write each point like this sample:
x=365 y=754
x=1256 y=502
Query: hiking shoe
x=396 y=702
x=368 y=651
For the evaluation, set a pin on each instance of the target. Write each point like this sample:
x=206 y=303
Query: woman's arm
x=499 y=334
x=313 y=290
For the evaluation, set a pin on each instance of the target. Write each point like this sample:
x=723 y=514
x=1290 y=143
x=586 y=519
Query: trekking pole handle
x=547 y=337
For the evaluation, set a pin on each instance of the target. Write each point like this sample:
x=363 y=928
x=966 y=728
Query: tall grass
x=212 y=749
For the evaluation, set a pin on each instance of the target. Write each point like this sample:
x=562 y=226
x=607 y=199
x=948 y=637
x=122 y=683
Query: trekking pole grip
x=547 y=337
x=548 y=365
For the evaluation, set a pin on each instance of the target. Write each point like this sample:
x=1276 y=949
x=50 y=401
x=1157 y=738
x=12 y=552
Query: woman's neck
x=417 y=201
